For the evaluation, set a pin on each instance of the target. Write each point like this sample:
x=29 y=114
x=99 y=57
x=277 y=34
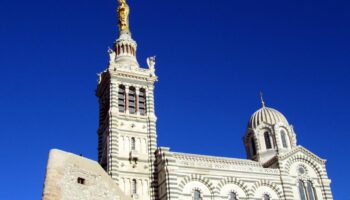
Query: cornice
x=214 y=159
x=132 y=72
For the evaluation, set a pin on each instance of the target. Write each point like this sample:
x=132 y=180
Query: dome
x=268 y=116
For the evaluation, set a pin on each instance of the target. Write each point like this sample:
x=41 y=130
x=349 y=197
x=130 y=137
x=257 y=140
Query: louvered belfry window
x=121 y=98
x=132 y=100
x=142 y=101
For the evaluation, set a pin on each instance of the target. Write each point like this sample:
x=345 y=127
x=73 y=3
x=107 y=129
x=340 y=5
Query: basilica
x=131 y=166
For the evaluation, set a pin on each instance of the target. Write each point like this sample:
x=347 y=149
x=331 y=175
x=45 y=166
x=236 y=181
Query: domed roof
x=268 y=116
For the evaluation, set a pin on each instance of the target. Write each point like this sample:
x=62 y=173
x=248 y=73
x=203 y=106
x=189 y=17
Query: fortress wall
x=72 y=177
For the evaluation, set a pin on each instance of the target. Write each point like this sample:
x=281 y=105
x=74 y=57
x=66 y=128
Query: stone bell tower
x=127 y=136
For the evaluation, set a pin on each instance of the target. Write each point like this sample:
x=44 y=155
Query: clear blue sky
x=213 y=59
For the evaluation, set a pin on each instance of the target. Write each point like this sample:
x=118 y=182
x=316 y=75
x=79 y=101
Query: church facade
x=130 y=165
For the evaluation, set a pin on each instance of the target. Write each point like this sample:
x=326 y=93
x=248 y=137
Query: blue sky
x=213 y=59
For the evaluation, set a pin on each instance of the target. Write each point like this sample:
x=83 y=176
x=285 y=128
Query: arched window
x=284 y=139
x=134 y=186
x=267 y=140
x=133 y=144
x=132 y=100
x=266 y=197
x=253 y=147
x=142 y=101
x=311 y=191
x=197 y=195
x=233 y=196
x=302 y=192
x=307 y=191
x=121 y=98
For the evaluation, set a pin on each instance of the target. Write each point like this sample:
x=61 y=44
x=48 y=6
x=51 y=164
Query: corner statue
x=123 y=14
x=151 y=62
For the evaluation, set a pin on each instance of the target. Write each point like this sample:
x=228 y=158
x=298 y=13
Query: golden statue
x=123 y=14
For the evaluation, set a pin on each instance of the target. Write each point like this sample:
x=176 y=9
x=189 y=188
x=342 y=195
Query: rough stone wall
x=62 y=174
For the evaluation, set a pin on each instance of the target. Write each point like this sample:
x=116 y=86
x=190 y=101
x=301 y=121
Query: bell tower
x=127 y=136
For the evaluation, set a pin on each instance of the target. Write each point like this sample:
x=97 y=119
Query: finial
x=123 y=16
x=262 y=99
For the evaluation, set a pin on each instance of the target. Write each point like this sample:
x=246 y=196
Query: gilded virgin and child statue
x=123 y=14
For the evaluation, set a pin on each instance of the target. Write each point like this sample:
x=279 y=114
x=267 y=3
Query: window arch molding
x=274 y=188
x=197 y=178
x=234 y=185
x=304 y=161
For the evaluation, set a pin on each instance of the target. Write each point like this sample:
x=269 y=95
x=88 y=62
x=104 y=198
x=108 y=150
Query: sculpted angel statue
x=151 y=62
x=123 y=14
x=111 y=55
